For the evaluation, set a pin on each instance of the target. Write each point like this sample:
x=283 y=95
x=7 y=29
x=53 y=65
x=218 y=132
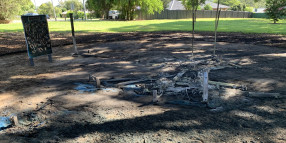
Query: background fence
x=262 y=15
x=259 y=15
x=184 y=14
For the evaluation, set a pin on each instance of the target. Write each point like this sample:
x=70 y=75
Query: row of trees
x=126 y=7
x=47 y=8
x=10 y=8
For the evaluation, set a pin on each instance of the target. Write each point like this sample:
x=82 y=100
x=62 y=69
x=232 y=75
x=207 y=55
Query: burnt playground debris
x=189 y=85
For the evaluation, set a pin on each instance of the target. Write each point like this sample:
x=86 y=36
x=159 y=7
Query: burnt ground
x=11 y=43
x=49 y=109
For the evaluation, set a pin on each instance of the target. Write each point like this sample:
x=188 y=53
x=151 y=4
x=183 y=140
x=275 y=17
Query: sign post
x=73 y=36
x=37 y=36
x=84 y=10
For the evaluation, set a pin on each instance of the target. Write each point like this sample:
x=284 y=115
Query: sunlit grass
x=246 y=25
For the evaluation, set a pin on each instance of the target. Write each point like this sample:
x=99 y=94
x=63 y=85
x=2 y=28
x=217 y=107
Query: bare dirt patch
x=51 y=110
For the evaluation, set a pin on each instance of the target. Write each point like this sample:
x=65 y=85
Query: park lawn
x=245 y=25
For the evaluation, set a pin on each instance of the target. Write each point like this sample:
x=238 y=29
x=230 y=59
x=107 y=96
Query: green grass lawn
x=249 y=25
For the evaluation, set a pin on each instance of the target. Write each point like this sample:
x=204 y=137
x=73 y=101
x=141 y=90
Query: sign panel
x=37 y=35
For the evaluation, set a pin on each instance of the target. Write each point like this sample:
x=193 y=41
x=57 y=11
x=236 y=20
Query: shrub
x=208 y=7
x=249 y=9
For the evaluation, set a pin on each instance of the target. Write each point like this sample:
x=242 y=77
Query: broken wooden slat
x=231 y=65
x=235 y=65
x=229 y=85
x=186 y=103
x=131 y=82
x=179 y=75
x=185 y=84
x=177 y=89
x=223 y=84
x=182 y=84
x=94 y=79
x=219 y=67
x=264 y=95
x=118 y=80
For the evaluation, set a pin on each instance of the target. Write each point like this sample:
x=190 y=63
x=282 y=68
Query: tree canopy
x=192 y=4
x=77 y=5
x=275 y=9
x=126 y=7
x=166 y=3
x=101 y=6
x=11 y=8
x=208 y=7
x=67 y=6
x=47 y=8
x=230 y=3
x=242 y=5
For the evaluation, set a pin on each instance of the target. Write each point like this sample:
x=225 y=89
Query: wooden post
x=205 y=85
x=15 y=120
x=155 y=99
x=31 y=62
x=193 y=33
x=73 y=35
x=156 y=96
x=50 y=58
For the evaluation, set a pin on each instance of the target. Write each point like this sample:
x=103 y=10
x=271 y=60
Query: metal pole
x=193 y=33
x=54 y=11
x=216 y=25
x=84 y=8
x=35 y=5
x=73 y=36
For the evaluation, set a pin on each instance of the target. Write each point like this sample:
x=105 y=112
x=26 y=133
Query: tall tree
x=11 y=8
x=275 y=9
x=76 y=3
x=101 y=6
x=28 y=7
x=47 y=8
x=128 y=7
x=192 y=4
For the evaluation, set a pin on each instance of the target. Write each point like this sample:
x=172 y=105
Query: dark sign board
x=37 y=35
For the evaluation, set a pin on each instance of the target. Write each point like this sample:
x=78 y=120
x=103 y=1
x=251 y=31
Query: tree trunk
x=129 y=10
x=196 y=15
x=107 y=14
x=132 y=15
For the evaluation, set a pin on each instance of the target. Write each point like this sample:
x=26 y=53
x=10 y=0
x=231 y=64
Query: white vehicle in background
x=113 y=14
